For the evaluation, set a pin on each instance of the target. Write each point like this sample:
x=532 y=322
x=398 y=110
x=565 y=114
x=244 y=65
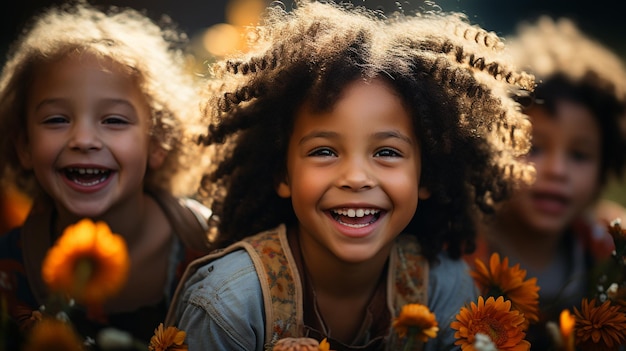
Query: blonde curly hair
x=150 y=51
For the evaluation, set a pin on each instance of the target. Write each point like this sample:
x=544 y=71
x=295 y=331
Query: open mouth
x=550 y=203
x=87 y=176
x=356 y=217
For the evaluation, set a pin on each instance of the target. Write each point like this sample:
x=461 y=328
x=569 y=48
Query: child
x=578 y=145
x=100 y=109
x=353 y=150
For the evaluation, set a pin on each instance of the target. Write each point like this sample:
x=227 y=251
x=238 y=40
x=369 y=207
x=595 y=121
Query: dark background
x=603 y=19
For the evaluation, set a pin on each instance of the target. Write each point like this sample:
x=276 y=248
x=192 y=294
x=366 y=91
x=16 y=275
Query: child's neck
x=339 y=278
x=125 y=219
x=147 y=233
x=341 y=288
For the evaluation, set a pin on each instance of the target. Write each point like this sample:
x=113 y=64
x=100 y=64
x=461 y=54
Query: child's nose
x=356 y=174
x=555 y=166
x=84 y=137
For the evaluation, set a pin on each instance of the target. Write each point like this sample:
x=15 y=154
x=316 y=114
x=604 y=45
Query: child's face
x=567 y=154
x=353 y=173
x=87 y=135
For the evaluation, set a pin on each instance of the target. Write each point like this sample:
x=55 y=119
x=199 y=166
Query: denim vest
x=407 y=281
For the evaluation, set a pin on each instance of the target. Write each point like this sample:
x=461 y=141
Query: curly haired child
x=579 y=144
x=353 y=149
x=101 y=111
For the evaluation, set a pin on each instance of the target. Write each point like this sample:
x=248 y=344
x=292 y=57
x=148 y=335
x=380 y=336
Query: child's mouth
x=87 y=176
x=355 y=217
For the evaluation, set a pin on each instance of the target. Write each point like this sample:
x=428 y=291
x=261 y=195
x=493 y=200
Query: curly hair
x=570 y=65
x=150 y=51
x=451 y=75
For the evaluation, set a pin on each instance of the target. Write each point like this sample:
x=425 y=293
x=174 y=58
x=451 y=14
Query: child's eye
x=322 y=152
x=56 y=119
x=115 y=119
x=580 y=156
x=387 y=153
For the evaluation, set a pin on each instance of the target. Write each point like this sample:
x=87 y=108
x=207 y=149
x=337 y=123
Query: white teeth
x=86 y=170
x=99 y=174
x=89 y=183
x=356 y=212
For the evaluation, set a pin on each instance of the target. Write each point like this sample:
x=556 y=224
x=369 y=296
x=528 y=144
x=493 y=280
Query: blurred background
x=215 y=26
x=215 y=22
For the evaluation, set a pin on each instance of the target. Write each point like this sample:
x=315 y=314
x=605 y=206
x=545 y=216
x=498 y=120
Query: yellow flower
x=88 y=262
x=600 y=328
x=51 y=334
x=494 y=318
x=169 y=339
x=501 y=280
x=416 y=320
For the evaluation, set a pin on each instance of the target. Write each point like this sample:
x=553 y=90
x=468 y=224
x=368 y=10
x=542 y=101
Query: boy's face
x=87 y=135
x=567 y=155
x=353 y=174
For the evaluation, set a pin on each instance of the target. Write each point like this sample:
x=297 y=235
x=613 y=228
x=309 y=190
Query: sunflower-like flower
x=88 y=263
x=511 y=283
x=494 y=318
x=51 y=334
x=417 y=321
x=301 y=344
x=600 y=328
x=167 y=339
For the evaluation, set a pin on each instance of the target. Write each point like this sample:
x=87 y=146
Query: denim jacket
x=220 y=303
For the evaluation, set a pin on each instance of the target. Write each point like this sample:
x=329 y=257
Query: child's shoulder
x=189 y=219
x=230 y=274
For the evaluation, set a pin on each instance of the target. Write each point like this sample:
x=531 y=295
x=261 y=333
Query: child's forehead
x=85 y=67
x=84 y=79
x=566 y=119
x=94 y=59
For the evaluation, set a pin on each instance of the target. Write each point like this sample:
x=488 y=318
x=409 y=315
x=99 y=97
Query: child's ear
x=423 y=193
x=157 y=155
x=283 y=189
x=23 y=152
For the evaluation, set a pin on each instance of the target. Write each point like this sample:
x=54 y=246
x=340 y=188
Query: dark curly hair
x=451 y=75
x=572 y=66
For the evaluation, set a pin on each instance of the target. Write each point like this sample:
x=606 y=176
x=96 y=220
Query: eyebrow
x=108 y=101
x=393 y=134
x=379 y=135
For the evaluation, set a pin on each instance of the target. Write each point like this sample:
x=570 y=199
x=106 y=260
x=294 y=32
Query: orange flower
x=493 y=318
x=501 y=280
x=600 y=328
x=567 y=323
x=416 y=320
x=51 y=334
x=88 y=262
x=324 y=345
x=169 y=339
